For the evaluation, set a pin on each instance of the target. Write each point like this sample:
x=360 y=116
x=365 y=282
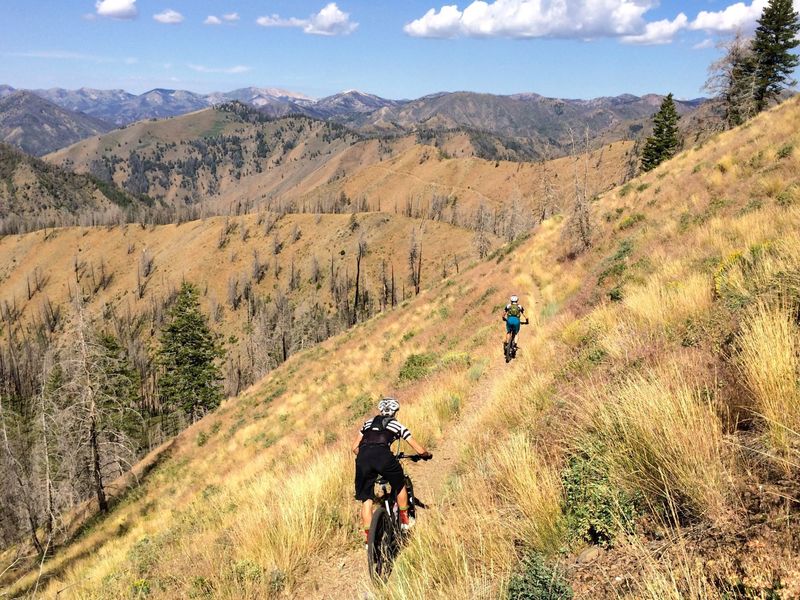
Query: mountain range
x=38 y=126
x=496 y=113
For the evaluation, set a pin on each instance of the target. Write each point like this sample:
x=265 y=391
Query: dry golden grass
x=529 y=486
x=669 y=299
x=662 y=438
x=770 y=362
x=655 y=428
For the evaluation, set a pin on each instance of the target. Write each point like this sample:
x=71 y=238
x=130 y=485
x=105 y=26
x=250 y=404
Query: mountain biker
x=372 y=447
x=512 y=314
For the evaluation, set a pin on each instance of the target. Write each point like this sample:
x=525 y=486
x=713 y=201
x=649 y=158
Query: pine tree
x=776 y=37
x=665 y=141
x=190 y=378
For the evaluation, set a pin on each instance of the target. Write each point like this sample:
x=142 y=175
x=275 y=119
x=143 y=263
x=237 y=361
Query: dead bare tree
x=415 y=262
x=577 y=232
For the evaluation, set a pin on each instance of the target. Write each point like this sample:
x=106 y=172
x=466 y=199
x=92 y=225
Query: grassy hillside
x=644 y=445
x=232 y=159
x=35 y=194
x=308 y=260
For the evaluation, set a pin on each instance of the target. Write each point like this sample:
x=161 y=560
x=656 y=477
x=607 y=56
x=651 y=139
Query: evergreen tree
x=776 y=37
x=190 y=377
x=665 y=141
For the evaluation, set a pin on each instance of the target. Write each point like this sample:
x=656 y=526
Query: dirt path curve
x=344 y=576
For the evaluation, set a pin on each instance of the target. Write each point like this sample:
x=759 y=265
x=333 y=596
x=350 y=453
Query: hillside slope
x=216 y=159
x=38 y=127
x=35 y=194
x=639 y=448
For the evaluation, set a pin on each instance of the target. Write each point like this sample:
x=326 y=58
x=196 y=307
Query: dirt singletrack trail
x=344 y=576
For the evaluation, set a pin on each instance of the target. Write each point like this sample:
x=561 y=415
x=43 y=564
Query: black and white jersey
x=394 y=426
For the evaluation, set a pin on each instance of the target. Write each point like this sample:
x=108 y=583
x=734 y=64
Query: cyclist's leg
x=402 y=498
x=366 y=514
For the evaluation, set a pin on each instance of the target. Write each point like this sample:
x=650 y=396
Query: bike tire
x=381 y=544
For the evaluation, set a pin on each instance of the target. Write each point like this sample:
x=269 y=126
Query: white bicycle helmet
x=514 y=299
x=388 y=407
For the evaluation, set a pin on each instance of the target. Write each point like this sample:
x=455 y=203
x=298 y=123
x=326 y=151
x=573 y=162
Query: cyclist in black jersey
x=372 y=447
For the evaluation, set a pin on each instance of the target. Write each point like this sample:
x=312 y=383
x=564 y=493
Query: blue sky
x=393 y=48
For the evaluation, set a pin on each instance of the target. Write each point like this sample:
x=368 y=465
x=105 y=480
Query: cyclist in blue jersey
x=512 y=315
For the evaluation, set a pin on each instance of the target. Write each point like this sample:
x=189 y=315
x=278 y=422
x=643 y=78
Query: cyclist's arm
x=357 y=441
x=416 y=445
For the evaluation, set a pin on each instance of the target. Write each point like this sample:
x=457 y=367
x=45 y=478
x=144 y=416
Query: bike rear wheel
x=381 y=545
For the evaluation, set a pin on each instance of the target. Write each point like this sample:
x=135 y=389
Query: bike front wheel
x=381 y=545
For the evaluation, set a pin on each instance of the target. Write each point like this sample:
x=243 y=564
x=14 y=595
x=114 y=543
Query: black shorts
x=373 y=461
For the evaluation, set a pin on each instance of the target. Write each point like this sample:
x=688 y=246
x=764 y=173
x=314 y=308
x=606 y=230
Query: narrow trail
x=344 y=575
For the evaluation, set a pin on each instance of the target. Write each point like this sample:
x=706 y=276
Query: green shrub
x=361 y=404
x=202 y=438
x=631 y=220
x=785 y=198
x=595 y=510
x=785 y=151
x=140 y=588
x=417 y=366
x=536 y=580
x=455 y=360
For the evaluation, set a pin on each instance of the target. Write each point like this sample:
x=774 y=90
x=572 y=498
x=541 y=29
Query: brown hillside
x=305 y=165
x=217 y=254
x=647 y=406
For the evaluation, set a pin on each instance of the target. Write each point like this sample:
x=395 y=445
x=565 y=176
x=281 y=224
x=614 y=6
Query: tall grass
x=664 y=439
x=531 y=489
x=770 y=362
x=283 y=522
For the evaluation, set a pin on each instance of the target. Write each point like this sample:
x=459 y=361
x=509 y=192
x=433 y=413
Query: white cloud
x=734 y=17
x=706 y=43
x=582 y=19
x=227 y=70
x=117 y=9
x=659 y=32
x=230 y=18
x=331 y=20
x=169 y=17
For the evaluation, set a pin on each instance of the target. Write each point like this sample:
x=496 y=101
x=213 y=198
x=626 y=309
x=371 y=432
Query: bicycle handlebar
x=525 y=322
x=414 y=457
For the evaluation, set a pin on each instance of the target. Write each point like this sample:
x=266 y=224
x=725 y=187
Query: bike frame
x=380 y=558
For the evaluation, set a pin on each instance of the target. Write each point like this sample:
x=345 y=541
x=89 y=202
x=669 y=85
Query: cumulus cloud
x=658 y=32
x=331 y=20
x=734 y=17
x=227 y=70
x=231 y=17
x=116 y=9
x=212 y=20
x=169 y=17
x=581 y=19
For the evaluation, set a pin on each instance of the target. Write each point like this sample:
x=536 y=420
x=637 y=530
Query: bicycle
x=386 y=537
x=510 y=349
